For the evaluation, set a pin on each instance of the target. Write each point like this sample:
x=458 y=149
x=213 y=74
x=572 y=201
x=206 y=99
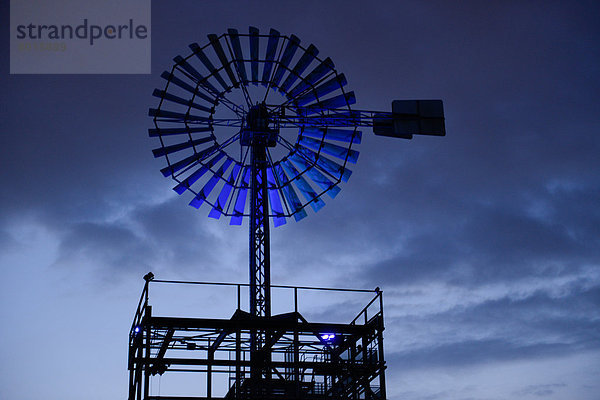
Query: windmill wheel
x=240 y=88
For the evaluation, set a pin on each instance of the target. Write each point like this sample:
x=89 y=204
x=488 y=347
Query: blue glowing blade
x=290 y=194
x=340 y=135
x=221 y=203
x=240 y=201
x=270 y=56
x=313 y=77
x=285 y=60
x=331 y=149
x=309 y=194
x=316 y=176
x=208 y=64
x=189 y=181
x=239 y=56
x=178 y=147
x=322 y=90
x=254 y=53
x=301 y=65
x=274 y=200
x=154 y=132
x=216 y=45
x=210 y=185
x=336 y=170
x=176 y=99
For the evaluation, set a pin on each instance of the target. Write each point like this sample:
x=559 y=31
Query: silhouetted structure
x=221 y=148
x=299 y=359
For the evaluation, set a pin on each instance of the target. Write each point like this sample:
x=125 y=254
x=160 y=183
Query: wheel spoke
x=229 y=141
x=238 y=110
x=232 y=122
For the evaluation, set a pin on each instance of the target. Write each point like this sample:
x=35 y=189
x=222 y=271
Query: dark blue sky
x=485 y=242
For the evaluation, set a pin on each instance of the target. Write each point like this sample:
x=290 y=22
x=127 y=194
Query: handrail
x=364 y=310
x=272 y=286
x=144 y=298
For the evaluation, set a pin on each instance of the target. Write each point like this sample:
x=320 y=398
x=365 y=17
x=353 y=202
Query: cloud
x=7 y=241
x=488 y=325
x=165 y=237
x=492 y=242
x=113 y=247
x=543 y=390
x=460 y=354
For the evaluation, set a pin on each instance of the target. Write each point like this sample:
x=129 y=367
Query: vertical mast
x=260 y=282
x=258 y=136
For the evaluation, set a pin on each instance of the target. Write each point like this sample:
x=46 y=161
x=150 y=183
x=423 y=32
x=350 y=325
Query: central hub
x=256 y=129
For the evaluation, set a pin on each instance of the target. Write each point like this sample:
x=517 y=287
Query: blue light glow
x=328 y=336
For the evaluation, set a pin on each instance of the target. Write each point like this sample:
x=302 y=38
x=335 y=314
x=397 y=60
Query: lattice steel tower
x=262 y=113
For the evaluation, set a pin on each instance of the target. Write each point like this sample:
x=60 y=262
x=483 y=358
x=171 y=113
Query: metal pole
x=260 y=280
x=381 y=360
x=238 y=362
x=296 y=299
x=147 y=361
x=260 y=274
x=211 y=358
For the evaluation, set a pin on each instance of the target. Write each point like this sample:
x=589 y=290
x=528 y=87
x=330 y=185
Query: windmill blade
x=176 y=99
x=270 y=56
x=192 y=71
x=254 y=53
x=240 y=201
x=286 y=58
x=322 y=90
x=208 y=64
x=290 y=194
x=340 y=135
x=221 y=203
x=330 y=166
x=190 y=180
x=154 y=132
x=309 y=55
x=331 y=149
x=239 y=56
x=309 y=194
x=171 y=78
x=181 y=146
x=339 y=101
x=216 y=45
x=274 y=200
x=316 y=176
x=210 y=185
x=313 y=77
x=177 y=117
